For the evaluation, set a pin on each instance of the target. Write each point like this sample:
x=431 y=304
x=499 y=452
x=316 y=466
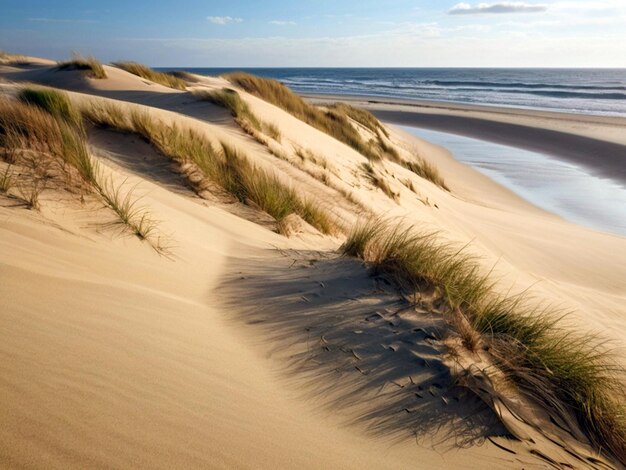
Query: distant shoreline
x=595 y=142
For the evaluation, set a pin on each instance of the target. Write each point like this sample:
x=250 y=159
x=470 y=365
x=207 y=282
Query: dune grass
x=7 y=58
x=563 y=369
x=90 y=65
x=426 y=170
x=54 y=102
x=332 y=123
x=272 y=130
x=230 y=99
x=35 y=134
x=220 y=163
x=362 y=116
x=6 y=180
x=188 y=77
x=378 y=181
x=387 y=149
x=143 y=71
x=136 y=218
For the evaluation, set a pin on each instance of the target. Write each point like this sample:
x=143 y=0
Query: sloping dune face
x=174 y=292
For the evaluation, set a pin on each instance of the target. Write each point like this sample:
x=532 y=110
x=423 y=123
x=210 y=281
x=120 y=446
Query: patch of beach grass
x=565 y=370
x=378 y=180
x=54 y=102
x=6 y=58
x=362 y=116
x=143 y=71
x=188 y=77
x=230 y=99
x=90 y=65
x=220 y=163
x=136 y=218
x=6 y=180
x=48 y=149
x=332 y=123
x=426 y=170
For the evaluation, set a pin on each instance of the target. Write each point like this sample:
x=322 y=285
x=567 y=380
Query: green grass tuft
x=90 y=65
x=143 y=71
x=54 y=102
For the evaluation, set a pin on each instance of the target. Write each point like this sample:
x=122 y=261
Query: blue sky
x=427 y=33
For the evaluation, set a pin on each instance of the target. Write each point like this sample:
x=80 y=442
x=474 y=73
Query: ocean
x=587 y=91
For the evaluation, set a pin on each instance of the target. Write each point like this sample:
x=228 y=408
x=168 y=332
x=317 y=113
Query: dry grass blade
x=143 y=71
x=231 y=100
x=362 y=116
x=127 y=208
x=6 y=180
x=90 y=65
x=378 y=181
x=426 y=170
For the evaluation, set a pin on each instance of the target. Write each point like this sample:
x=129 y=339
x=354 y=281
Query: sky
x=322 y=33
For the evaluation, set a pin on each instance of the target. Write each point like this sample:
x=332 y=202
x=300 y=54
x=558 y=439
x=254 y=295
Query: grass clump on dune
x=6 y=180
x=143 y=71
x=378 y=181
x=426 y=170
x=54 y=102
x=568 y=372
x=7 y=58
x=52 y=150
x=222 y=164
x=269 y=193
x=188 y=77
x=332 y=123
x=231 y=100
x=362 y=116
x=90 y=65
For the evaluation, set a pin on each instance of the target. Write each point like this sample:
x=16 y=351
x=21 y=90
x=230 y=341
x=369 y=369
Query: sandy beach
x=250 y=341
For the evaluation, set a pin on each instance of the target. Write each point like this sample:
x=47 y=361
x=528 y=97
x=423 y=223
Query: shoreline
x=598 y=143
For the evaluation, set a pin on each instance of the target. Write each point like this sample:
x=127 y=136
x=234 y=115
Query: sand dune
x=245 y=348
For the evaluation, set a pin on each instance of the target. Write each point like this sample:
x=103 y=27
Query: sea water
x=587 y=91
x=560 y=187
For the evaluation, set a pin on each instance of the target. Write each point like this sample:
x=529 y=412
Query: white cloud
x=283 y=23
x=392 y=49
x=502 y=7
x=222 y=20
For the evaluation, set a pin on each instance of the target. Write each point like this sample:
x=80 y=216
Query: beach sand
x=249 y=349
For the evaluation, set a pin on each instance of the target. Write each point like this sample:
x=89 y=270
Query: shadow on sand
x=352 y=347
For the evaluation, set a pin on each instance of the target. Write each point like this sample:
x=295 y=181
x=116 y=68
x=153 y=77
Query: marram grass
x=562 y=368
